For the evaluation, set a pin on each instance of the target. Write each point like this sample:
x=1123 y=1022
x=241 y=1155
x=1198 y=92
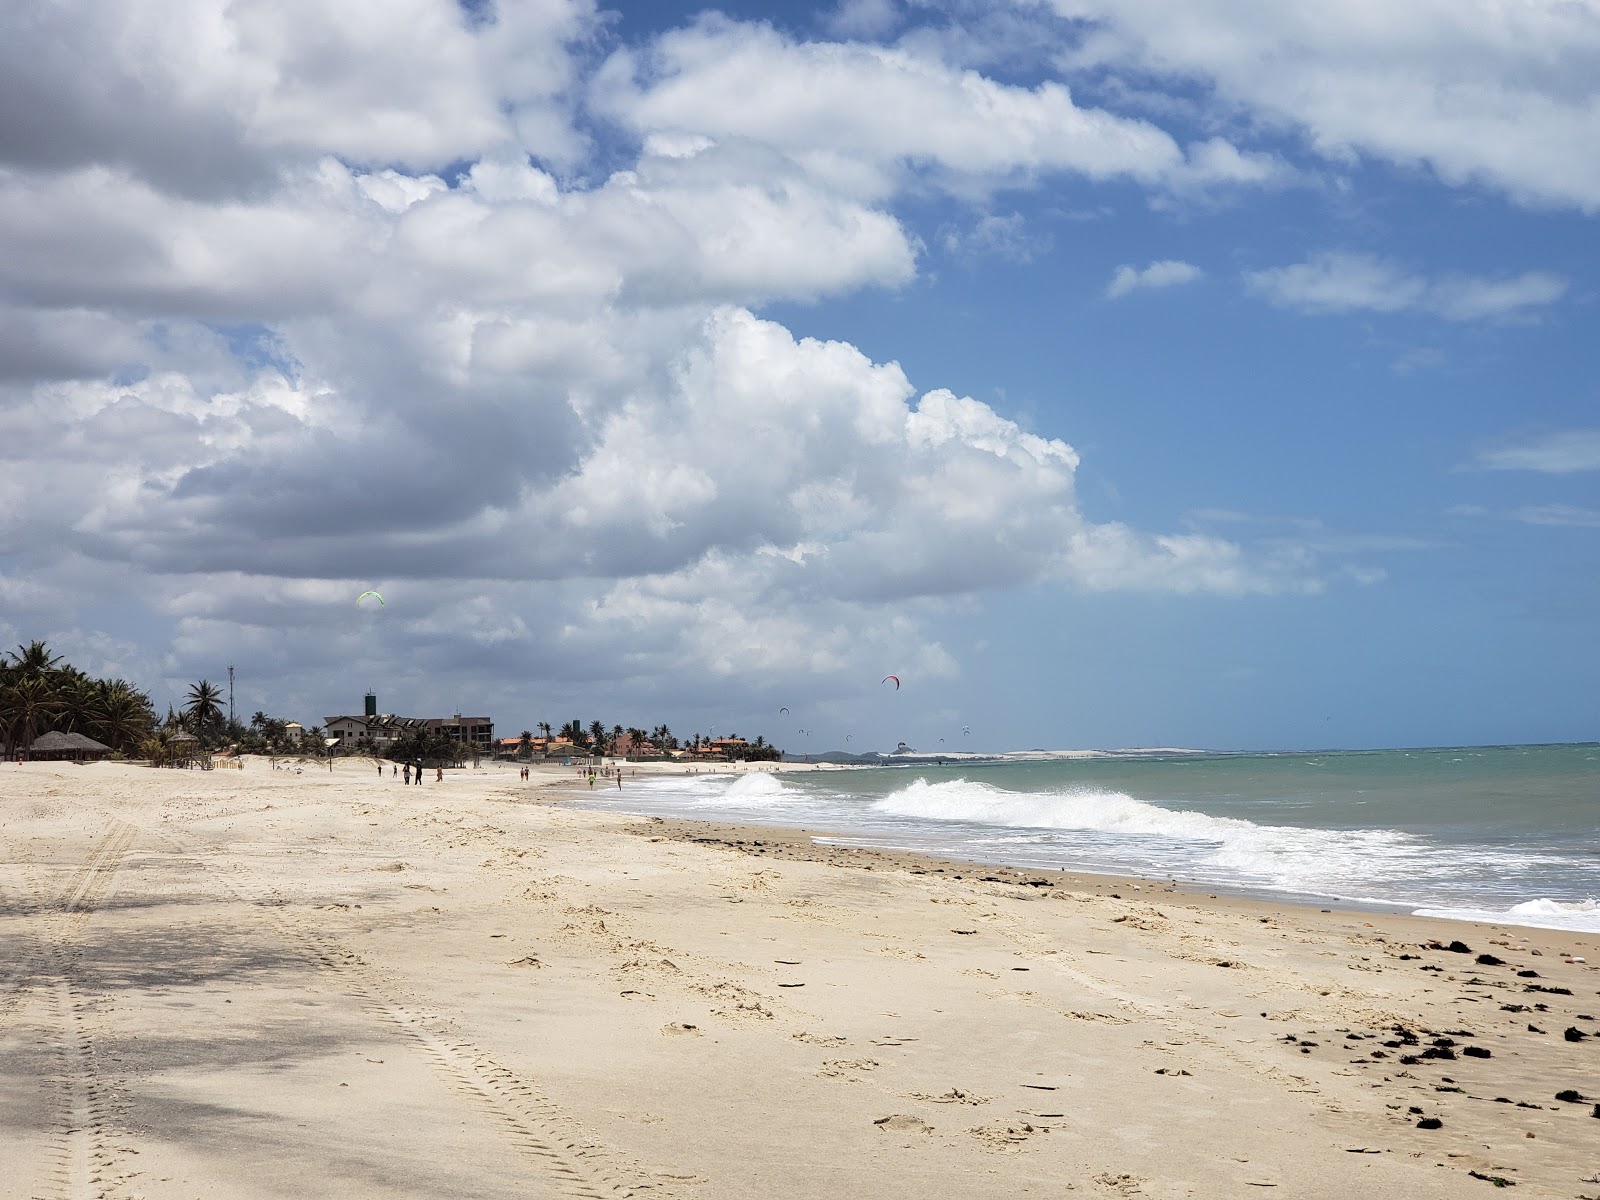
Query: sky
x=1113 y=373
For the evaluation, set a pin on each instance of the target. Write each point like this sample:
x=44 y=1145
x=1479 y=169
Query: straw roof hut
x=56 y=745
x=183 y=747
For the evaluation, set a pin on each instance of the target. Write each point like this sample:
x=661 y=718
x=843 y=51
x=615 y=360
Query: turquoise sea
x=1504 y=833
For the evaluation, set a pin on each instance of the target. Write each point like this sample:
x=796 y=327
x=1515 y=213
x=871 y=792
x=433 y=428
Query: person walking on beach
x=619 y=779
x=408 y=774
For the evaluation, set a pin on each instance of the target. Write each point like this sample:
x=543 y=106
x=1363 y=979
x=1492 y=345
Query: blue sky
x=1116 y=376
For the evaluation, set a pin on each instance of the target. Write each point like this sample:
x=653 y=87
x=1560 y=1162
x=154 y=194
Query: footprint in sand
x=1124 y=1184
x=1007 y=1137
x=953 y=1096
x=847 y=1068
x=902 y=1123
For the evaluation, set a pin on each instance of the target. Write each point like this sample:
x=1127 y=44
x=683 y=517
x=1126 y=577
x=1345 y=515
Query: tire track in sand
x=524 y=1116
x=79 y=1141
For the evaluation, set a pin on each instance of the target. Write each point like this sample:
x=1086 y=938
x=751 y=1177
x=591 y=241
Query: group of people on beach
x=606 y=772
x=409 y=769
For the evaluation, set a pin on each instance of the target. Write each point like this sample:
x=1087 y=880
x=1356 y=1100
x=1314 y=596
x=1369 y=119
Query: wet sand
x=264 y=984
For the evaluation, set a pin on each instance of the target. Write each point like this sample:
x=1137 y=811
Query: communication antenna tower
x=230 y=697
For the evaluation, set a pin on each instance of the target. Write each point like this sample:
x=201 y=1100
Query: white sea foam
x=757 y=786
x=1578 y=916
x=1257 y=825
x=1176 y=839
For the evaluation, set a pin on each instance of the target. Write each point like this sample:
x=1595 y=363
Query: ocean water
x=1494 y=833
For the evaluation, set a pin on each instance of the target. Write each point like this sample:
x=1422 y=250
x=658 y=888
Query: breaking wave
x=1578 y=916
x=1177 y=840
x=758 y=786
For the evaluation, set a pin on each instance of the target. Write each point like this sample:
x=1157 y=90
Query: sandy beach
x=258 y=983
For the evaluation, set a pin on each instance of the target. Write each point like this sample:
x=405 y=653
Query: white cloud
x=1164 y=273
x=861 y=116
x=1467 y=299
x=397 y=346
x=211 y=97
x=1554 y=515
x=1563 y=453
x=992 y=236
x=1557 y=514
x=869 y=19
x=1338 y=282
x=1494 y=94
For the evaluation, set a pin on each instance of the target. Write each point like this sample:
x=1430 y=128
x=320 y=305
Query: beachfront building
x=381 y=729
x=384 y=729
x=634 y=744
x=724 y=749
x=470 y=731
x=539 y=747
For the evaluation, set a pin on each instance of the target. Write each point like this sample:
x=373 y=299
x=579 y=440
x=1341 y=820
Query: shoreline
x=246 y=984
x=575 y=790
x=799 y=844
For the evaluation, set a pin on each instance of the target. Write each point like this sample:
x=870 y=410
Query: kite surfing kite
x=896 y=679
x=781 y=711
x=374 y=595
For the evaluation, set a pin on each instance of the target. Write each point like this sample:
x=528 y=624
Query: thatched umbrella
x=183 y=746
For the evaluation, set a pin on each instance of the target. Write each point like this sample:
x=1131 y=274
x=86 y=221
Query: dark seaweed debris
x=1498 y=1180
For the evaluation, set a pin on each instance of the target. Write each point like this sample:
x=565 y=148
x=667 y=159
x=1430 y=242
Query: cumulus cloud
x=1164 y=273
x=861 y=116
x=1494 y=95
x=398 y=347
x=1564 y=453
x=207 y=98
x=1339 y=282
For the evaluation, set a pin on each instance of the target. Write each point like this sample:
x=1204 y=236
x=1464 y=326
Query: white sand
x=254 y=984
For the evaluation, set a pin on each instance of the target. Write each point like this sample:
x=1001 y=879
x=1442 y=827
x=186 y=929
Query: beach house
x=384 y=729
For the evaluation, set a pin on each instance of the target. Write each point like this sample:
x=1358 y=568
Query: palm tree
x=33 y=660
x=123 y=716
x=30 y=703
x=597 y=737
x=544 y=728
x=525 y=744
x=77 y=699
x=204 y=707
